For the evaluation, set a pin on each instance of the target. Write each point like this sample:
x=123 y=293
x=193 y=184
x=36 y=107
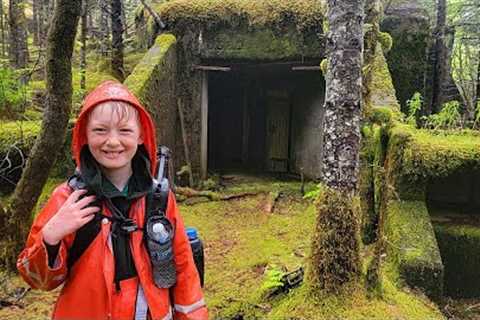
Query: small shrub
x=12 y=94
x=272 y=281
x=448 y=118
x=414 y=106
x=314 y=193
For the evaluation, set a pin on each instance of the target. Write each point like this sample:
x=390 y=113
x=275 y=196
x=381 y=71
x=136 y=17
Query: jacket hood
x=114 y=91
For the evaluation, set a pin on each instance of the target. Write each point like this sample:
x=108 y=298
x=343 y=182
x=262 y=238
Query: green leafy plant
x=12 y=94
x=272 y=281
x=448 y=118
x=414 y=105
x=314 y=193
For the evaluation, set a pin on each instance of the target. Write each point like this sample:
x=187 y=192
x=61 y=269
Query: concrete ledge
x=459 y=246
x=412 y=246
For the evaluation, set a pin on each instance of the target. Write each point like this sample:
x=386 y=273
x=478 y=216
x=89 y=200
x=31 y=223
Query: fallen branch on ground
x=213 y=196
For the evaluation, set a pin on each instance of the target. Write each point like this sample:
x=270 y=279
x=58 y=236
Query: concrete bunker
x=454 y=206
x=265 y=117
x=246 y=77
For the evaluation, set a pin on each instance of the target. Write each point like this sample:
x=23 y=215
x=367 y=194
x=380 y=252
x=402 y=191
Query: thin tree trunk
x=477 y=91
x=437 y=70
x=36 y=22
x=104 y=28
x=45 y=7
x=18 y=34
x=2 y=26
x=16 y=218
x=335 y=249
x=83 y=49
x=117 y=40
x=153 y=14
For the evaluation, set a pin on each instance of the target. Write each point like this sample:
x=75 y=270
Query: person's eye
x=126 y=130
x=99 y=130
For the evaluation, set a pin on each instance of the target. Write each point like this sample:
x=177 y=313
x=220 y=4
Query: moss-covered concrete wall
x=413 y=159
x=459 y=247
x=260 y=44
x=380 y=91
x=244 y=30
x=153 y=81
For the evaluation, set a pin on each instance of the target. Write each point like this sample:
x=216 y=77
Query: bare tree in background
x=83 y=41
x=2 y=31
x=18 y=34
x=117 y=40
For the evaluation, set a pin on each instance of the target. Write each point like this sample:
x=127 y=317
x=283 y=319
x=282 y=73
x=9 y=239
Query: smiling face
x=113 y=136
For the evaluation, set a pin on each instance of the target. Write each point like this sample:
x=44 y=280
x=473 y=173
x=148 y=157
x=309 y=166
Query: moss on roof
x=303 y=13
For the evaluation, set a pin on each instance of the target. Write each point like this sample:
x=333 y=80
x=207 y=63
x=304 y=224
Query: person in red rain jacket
x=115 y=152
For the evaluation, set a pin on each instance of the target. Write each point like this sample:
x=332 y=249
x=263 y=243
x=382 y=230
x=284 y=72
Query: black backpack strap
x=83 y=238
x=88 y=232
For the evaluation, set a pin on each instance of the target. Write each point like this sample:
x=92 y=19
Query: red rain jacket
x=89 y=290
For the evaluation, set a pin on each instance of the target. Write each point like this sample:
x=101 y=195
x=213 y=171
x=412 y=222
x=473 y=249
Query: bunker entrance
x=265 y=118
x=454 y=206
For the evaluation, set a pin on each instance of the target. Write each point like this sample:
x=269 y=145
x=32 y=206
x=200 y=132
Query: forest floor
x=246 y=247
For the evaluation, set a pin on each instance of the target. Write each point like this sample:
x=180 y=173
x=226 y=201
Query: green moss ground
x=241 y=240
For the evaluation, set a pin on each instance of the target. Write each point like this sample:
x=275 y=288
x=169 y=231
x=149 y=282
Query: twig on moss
x=213 y=196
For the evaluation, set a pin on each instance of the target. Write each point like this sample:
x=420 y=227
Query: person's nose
x=113 y=139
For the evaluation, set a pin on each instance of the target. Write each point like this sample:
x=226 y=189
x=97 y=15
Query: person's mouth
x=111 y=154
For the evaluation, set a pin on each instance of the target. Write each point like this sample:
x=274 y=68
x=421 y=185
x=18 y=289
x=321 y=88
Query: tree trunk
x=335 y=249
x=437 y=69
x=104 y=28
x=343 y=97
x=83 y=48
x=117 y=40
x=477 y=91
x=35 y=21
x=18 y=34
x=16 y=218
x=43 y=20
x=2 y=26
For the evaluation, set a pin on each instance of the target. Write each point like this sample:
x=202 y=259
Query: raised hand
x=73 y=214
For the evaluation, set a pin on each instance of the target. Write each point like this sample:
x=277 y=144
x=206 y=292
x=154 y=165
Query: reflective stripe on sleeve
x=190 y=307
x=169 y=315
x=141 y=307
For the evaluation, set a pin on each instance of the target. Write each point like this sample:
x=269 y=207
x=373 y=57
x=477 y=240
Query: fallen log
x=212 y=195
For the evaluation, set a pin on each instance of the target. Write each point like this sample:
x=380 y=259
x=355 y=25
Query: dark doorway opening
x=265 y=118
x=454 y=206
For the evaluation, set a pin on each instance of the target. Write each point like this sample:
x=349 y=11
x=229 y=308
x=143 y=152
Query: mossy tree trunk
x=2 y=30
x=437 y=65
x=83 y=48
x=104 y=28
x=335 y=251
x=16 y=218
x=117 y=40
x=18 y=34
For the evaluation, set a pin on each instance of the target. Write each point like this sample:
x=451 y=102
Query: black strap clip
x=128 y=226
